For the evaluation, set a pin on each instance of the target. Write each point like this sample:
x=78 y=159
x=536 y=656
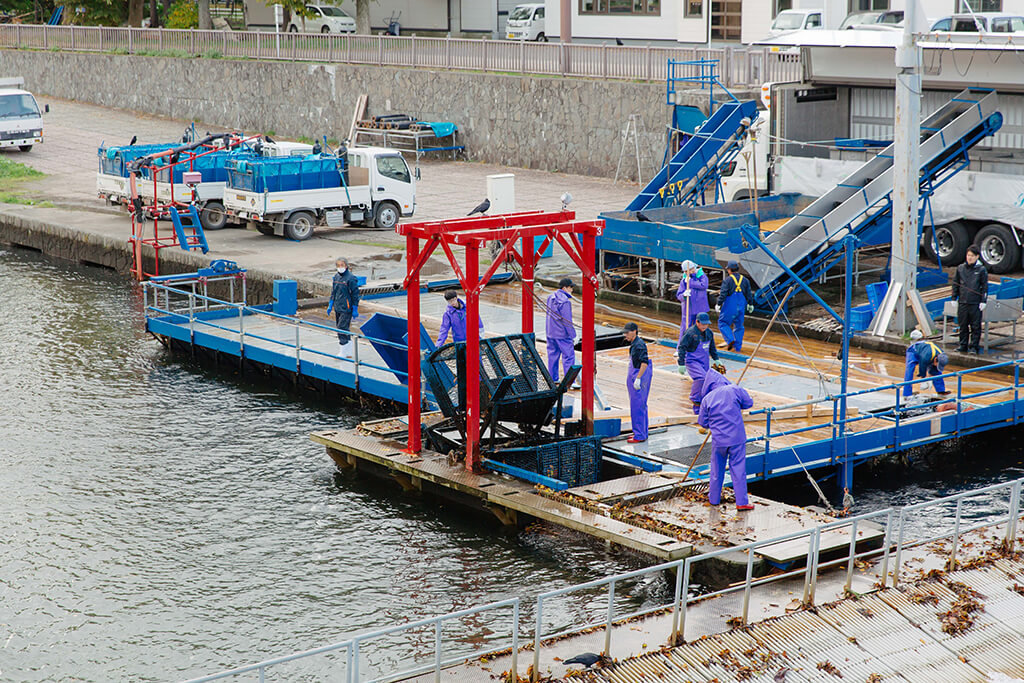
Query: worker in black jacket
x=970 y=289
x=344 y=302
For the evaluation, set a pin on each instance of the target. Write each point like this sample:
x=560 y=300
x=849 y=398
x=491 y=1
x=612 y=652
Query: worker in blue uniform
x=928 y=359
x=721 y=411
x=560 y=333
x=695 y=352
x=692 y=294
x=454 y=319
x=638 y=382
x=344 y=302
x=734 y=301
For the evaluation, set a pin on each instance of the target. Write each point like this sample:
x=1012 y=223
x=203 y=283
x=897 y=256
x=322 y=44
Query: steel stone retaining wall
x=552 y=123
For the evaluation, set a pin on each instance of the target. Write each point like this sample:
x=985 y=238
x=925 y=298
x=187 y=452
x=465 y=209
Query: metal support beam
x=529 y=259
x=412 y=287
x=588 y=344
x=845 y=466
x=472 y=358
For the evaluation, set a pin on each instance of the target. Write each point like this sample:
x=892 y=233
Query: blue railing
x=201 y=311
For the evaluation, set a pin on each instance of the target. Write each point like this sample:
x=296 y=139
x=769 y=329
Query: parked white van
x=21 y=124
x=526 y=22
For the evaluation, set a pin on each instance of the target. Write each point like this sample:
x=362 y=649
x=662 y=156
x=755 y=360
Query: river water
x=160 y=521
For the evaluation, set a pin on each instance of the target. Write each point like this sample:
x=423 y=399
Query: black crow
x=587 y=659
x=134 y=139
x=268 y=138
x=618 y=42
x=641 y=217
x=481 y=208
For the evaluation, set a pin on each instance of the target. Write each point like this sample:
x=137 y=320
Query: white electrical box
x=501 y=191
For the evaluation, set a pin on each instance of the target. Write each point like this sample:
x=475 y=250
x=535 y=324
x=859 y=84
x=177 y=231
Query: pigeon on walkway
x=481 y=208
x=587 y=659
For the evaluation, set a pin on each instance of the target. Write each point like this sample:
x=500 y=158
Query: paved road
x=68 y=157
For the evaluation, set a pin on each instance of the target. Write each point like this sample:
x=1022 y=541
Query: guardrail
x=188 y=304
x=896 y=526
x=839 y=423
x=739 y=66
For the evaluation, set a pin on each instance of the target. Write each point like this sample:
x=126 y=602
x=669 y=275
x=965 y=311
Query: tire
x=999 y=250
x=953 y=240
x=385 y=216
x=213 y=216
x=25 y=148
x=541 y=38
x=264 y=229
x=299 y=226
x=325 y=29
x=293 y=29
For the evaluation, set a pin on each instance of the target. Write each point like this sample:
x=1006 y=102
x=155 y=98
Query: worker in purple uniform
x=692 y=294
x=454 y=319
x=721 y=411
x=928 y=359
x=733 y=304
x=638 y=382
x=695 y=351
x=560 y=331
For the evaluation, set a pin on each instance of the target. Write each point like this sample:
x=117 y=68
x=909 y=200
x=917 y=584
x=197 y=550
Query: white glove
x=636 y=384
x=981 y=306
x=686 y=292
x=718 y=308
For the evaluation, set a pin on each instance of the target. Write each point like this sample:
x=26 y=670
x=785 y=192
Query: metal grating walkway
x=895 y=634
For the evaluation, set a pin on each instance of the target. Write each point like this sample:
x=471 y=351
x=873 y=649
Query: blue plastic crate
x=860 y=317
x=876 y=293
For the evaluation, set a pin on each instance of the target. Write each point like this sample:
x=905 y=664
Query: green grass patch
x=13 y=174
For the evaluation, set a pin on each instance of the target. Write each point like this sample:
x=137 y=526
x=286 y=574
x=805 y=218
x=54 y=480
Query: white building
x=704 y=21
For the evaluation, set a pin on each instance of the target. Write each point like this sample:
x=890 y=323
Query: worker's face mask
x=341 y=270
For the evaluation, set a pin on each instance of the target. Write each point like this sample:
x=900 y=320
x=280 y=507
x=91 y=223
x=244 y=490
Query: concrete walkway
x=74 y=131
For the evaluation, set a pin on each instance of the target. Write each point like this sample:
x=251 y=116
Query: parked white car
x=325 y=19
x=526 y=22
x=21 y=124
x=795 y=20
x=980 y=22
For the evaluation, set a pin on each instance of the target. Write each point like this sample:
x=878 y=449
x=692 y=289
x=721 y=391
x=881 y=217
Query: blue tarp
x=441 y=129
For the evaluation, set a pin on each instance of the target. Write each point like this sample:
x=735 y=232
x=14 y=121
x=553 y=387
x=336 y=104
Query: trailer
x=165 y=186
x=370 y=186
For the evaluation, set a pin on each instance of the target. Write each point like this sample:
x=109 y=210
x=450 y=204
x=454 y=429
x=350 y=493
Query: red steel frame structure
x=577 y=238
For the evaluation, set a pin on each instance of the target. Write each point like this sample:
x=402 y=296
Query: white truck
x=21 y=123
x=277 y=201
x=982 y=204
x=112 y=183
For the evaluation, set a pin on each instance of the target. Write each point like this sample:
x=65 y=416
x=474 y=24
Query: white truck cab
x=21 y=123
x=526 y=22
x=380 y=190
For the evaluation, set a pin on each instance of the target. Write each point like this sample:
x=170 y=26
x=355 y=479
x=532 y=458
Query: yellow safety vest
x=935 y=350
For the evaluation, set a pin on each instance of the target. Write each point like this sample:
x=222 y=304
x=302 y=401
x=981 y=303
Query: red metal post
x=473 y=357
x=587 y=346
x=412 y=247
x=529 y=259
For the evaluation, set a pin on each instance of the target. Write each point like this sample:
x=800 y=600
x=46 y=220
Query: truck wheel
x=386 y=216
x=213 y=216
x=293 y=29
x=264 y=229
x=25 y=148
x=299 y=226
x=541 y=38
x=952 y=240
x=999 y=250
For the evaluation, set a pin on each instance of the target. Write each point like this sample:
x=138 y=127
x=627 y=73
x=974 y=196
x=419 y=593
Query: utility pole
x=906 y=171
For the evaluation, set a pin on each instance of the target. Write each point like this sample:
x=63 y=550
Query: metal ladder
x=862 y=202
x=189 y=220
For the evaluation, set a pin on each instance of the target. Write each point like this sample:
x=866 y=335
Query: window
x=814 y=21
x=980 y=6
x=782 y=6
x=18 y=107
x=942 y=24
x=394 y=168
x=1007 y=24
x=625 y=6
x=868 y=5
x=539 y=14
x=969 y=25
x=693 y=8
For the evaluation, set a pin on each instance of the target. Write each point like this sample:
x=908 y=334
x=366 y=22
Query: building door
x=725 y=19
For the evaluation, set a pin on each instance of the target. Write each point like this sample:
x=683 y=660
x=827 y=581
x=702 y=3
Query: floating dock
x=639 y=504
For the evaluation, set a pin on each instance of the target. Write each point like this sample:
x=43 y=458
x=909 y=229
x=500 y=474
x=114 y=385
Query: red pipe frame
x=473 y=233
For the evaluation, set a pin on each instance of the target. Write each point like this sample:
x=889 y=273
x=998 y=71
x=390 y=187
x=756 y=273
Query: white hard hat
x=688 y=265
x=917 y=334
